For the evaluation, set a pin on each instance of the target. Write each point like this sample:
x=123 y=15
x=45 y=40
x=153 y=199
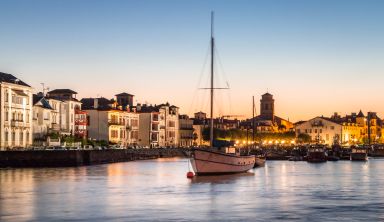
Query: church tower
x=267 y=107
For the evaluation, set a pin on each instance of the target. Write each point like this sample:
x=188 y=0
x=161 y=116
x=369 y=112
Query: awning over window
x=20 y=93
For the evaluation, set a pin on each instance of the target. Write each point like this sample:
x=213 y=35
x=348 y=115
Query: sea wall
x=67 y=158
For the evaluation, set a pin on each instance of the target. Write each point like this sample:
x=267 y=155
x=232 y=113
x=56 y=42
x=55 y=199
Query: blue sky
x=316 y=57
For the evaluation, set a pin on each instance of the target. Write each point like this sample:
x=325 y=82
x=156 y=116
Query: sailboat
x=208 y=161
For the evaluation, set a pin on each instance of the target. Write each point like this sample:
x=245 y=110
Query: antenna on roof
x=44 y=88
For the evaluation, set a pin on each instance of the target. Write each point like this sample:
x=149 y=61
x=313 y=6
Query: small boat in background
x=259 y=161
x=359 y=154
x=316 y=154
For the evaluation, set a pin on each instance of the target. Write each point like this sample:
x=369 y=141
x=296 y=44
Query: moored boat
x=214 y=161
x=210 y=161
x=316 y=154
x=359 y=154
x=259 y=161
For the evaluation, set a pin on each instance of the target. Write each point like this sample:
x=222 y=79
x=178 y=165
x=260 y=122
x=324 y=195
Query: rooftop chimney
x=96 y=103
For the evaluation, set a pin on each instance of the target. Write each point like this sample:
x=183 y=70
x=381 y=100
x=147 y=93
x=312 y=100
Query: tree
x=304 y=138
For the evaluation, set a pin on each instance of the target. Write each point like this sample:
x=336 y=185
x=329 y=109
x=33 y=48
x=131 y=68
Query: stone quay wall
x=69 y=158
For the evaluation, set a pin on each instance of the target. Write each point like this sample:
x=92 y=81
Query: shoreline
x=74 y=158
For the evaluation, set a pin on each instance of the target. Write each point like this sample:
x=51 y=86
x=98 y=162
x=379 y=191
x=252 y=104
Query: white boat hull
x=206 y=162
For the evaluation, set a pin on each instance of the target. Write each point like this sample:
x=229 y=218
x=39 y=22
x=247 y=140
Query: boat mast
x=212 y=64
x=253 y=121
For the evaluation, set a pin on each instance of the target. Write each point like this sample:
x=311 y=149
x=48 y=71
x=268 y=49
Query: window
x=134 y=134
x=171 y=134
x=17 y=99
x=27 y=137
x=172 y=124
x=21 y=137
x=6 y=116
x=46 y=116
x=6 y=97
x=6 y=136
x=135 y=122
x=315 y=130
x=321 y=130
x=114 y=134
x=154 y=137
x=121 y=134
x=72 y=118
x=332 y=127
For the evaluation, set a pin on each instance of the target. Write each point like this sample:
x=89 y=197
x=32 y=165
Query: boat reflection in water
x=221 y=179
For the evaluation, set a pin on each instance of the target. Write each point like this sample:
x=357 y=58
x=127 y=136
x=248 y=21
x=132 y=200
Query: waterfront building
x=370 y=126
x=186 y=131
x=65 y=104
x=159 y=125
x=348 y=130
x=81 y=122
x=200 y=122
x=198 y=139
x=321 y=130
x=16 y=112
x=58 y=116
x=267 y=121
x=200 y=116
x=42 y=118
x=111 y=122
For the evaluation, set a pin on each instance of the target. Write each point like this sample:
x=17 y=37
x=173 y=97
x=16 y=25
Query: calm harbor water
x=158 y=190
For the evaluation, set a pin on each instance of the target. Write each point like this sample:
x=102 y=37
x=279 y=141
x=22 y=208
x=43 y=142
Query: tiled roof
x=60 y=91
x=103 y=103
x=5 y=77
x=124 y=94
x=44 y=103
x=361 y=114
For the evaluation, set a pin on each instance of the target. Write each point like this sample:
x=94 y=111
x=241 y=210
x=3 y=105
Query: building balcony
x=80 y=122
x=186 y=137
x=55 y=127
x=186 y=128
x=81 y=133
x=18 y=123
x=115 y=122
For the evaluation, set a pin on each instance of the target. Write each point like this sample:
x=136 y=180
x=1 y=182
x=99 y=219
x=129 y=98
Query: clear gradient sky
x=315 y=57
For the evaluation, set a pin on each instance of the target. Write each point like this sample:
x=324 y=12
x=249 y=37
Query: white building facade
x=64 y=104
x=16 y=113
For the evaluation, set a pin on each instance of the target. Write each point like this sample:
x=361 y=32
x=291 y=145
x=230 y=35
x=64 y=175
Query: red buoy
x=190 y=174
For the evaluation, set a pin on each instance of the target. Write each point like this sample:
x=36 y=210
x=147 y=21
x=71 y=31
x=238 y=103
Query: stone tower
x=267 y=107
